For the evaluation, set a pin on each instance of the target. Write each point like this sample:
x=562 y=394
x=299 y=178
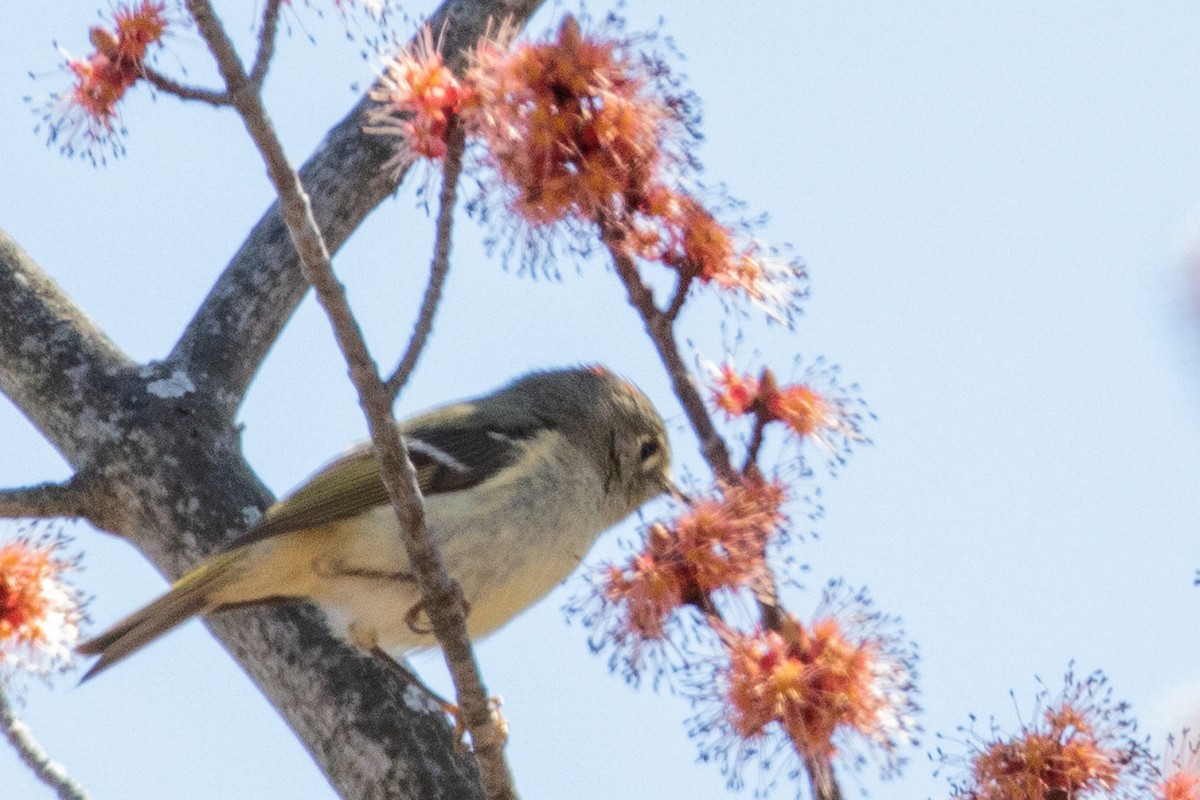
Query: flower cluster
x=103 y=77
x=1079 y=746
x=675 y=229
x=1181 y=770
x=823 y=415
x=584 y=131
x=39 y=612
x=1182 y=785
x=718 y=543
x=843 y=680
x=568 y=125
x=419 y=97
x=88 y=113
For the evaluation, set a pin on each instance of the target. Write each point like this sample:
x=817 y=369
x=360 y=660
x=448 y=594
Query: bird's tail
x=191 y=595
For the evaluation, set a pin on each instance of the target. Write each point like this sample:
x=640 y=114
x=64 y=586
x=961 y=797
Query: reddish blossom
x=1079 y=746
x=649 y=587
x=100 y=83
x=820 y=415
x=810 y=681
x=88 y=113
x=570 y=125
x=1182 y=785
x=734 y=392
x=138 y=27
x=842 y=682
x=1181 y=768
x=39 y=612
x=721 y=542
x=802 y=409
x=717 y=543
x=678 y=231
x=418 y=96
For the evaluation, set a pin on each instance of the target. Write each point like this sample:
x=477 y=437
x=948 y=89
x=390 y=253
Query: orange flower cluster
x=676 y=230
x=420 y=96
x=1181 y=766
x=39 y=613
x=568 y=125
x=578 y=130
x=1064 y=760
x=718 y=543
x=835 y=687
x=811 y=681
x=102 y=79
x=1079 y=747
x=800 y=407
x=1183 y=785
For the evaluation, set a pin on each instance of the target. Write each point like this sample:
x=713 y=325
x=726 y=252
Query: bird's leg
x=413 y=623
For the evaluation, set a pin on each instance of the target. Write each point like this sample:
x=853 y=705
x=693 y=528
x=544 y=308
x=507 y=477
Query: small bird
x=517 y=485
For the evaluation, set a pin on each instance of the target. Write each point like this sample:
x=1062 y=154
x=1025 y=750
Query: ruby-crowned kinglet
x=517 y=486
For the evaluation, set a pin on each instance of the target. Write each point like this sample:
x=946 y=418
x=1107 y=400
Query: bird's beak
x=676 y=493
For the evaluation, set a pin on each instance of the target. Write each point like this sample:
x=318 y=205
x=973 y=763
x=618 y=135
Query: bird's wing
x=447 y=458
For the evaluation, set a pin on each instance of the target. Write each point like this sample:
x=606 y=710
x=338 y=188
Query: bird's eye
x=649 y=448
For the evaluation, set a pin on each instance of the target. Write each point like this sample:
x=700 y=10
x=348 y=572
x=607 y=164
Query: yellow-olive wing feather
x=452 y=449
x=447 y=457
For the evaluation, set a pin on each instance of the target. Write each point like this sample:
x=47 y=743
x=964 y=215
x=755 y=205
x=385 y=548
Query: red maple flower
x=39 y=612
x=418 y=95
x=1079 y=746
x=138 y=27
x=569 y=125
x=812 y=681
x=1181 y=768
x=840 y=684
x=87 y=114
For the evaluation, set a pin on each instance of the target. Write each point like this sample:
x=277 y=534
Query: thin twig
x=44 y=501
x=266 y=43
x=681 y=291
x=659 y=327
x=441 y=597
x=47 y=770
x=756 y=442
x=821 y=779
x=451 y=169
x=183 y=91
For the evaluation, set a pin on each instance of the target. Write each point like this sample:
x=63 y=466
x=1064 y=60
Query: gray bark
x=157 y=460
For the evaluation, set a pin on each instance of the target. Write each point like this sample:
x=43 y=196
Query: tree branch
x=821 y=779
x=441 y=597
x=44 y=501
x=47 y=770
x=59 y=369
x=182 y=91
x=266 y=44
x=451 y=169
x=681 y=292
x=226 y=340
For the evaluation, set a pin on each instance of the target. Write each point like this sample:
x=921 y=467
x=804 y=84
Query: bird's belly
x=385 y=609
x=500 y=571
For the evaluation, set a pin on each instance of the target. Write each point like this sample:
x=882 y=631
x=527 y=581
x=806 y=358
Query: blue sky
x=994 y=201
